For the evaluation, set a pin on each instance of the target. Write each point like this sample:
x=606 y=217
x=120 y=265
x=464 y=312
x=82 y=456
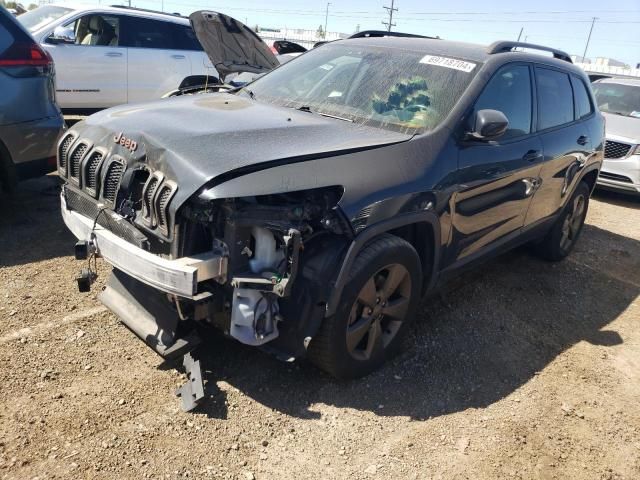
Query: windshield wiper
x=307 y=108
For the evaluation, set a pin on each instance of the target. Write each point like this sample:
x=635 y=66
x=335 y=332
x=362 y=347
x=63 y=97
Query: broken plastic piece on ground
x=192 y=392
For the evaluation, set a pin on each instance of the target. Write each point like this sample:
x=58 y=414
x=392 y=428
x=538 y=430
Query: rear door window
x=584 y=108
x=555 y=98
x=509 y=91
x=188 y=38
x=147 y=33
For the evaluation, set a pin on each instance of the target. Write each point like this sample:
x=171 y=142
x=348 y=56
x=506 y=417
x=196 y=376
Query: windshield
x=40 y=17
x=391 y=88
x=618 y=98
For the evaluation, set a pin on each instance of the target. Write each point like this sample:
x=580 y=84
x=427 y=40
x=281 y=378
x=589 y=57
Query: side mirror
x=62 y=35
x=489 y=125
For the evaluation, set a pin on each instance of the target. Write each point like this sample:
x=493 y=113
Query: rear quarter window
x=555 y=98
x=584 y=108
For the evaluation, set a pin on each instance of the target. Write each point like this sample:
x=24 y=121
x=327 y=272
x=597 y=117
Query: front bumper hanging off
x=179 y=277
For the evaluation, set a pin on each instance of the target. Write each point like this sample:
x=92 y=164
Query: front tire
x=564 y=234
x=377 y=304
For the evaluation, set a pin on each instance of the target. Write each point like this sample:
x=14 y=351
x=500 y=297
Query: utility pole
x=390 y=23
x=326 y=19
x=520 y=35
x=584 y=55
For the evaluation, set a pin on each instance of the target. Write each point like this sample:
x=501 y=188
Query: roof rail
x=148 y=10
x=384 y=33
x=502 y=46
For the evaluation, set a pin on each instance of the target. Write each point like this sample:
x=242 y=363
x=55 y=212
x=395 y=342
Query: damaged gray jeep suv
x=307 y=212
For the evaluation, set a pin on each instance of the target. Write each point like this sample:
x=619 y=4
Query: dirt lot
x=521 y=369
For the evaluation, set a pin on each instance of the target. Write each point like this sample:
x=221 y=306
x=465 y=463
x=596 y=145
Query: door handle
x=178 y=57
x=532 y=156
x=113 y=54
x=583 y=140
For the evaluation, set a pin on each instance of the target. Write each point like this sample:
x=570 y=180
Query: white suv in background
x=107 y=56
x=619 y=101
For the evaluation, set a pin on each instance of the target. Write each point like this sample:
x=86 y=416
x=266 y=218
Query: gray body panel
x=231 y=46
x=195 y=139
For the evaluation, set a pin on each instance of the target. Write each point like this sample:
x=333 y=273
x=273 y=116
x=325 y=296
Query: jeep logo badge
x=126 y=142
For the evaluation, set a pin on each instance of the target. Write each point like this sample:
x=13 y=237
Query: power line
x=390 y=23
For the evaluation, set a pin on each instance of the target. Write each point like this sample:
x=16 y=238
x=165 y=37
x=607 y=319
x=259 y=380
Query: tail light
x=22 y=54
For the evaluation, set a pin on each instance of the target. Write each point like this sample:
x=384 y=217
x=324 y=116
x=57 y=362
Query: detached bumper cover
x=179 y=277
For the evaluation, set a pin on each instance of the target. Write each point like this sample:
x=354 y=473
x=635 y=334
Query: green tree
x=320 y=32
x=32 y=6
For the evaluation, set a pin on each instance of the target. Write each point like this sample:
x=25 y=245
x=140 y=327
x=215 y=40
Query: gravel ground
x=519 y=369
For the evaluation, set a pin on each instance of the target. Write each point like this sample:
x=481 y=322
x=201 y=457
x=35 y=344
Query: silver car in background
x=30 y=120
x=619 y=100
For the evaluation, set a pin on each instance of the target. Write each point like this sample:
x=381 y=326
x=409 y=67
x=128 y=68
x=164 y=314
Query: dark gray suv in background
x=30 y=121
x=308 y=212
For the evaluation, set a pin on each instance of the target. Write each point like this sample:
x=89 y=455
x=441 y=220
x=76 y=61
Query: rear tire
x=564 y=234
x=376 y=306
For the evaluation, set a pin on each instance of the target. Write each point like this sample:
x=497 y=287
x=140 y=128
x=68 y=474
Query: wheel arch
x=590 y=178
x=420 y=229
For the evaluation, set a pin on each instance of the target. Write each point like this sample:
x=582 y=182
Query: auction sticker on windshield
x=448 y=63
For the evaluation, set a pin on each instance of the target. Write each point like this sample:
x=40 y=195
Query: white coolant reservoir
x=253 y=317
x=265 y=255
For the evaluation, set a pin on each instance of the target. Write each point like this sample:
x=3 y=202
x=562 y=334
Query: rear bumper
x=623 y=174
x=32 y=142
x=179 y=277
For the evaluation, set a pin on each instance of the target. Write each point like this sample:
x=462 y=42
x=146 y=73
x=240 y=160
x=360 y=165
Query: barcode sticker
x=447 y=62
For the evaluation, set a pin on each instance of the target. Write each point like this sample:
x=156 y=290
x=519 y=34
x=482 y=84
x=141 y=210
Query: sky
x=563 y=24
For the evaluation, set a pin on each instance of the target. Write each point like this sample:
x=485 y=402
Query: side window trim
x=538 y=66
x=533 y=99
x=130 y=27
x=575 y=80
x=78 y=16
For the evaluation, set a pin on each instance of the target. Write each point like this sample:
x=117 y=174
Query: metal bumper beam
x=179 y=277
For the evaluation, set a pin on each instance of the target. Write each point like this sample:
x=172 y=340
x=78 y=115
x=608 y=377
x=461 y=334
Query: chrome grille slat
x=91 y=172
x=149 y=192
x=163 y=202
x=112 y=177
x=615 y=176
x=76 y=158
x=63 y=151
x=614 y=149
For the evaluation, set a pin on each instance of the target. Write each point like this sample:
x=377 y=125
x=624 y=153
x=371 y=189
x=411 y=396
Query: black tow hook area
x=84 y=250
x=85 y=279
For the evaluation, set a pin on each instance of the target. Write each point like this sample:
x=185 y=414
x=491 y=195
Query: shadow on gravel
x=489 y=332
x=617 y=198
x=31 y=228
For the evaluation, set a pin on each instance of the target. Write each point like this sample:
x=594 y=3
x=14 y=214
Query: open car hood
x=231 y=46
